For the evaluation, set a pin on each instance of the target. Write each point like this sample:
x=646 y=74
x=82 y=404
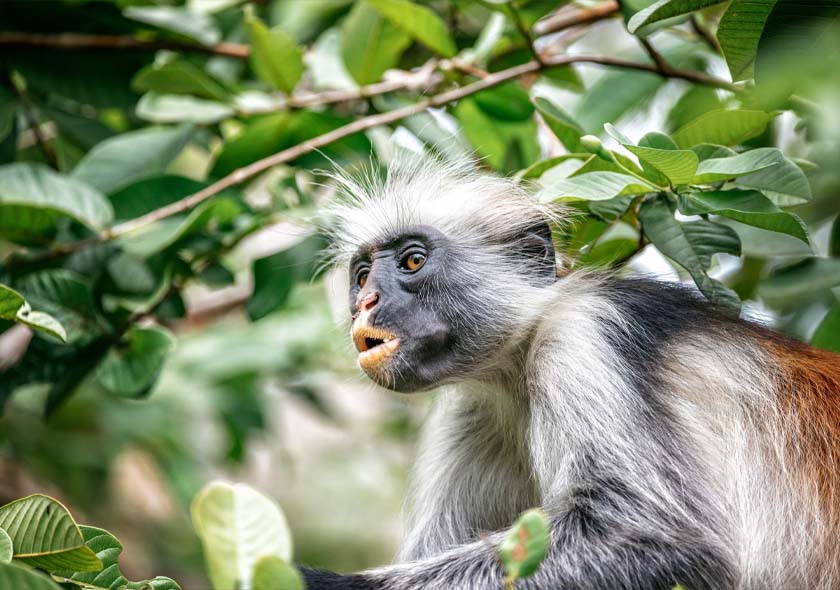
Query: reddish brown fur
x=809 y=384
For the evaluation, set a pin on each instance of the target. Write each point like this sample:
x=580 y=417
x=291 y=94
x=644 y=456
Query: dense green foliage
x=146 y=146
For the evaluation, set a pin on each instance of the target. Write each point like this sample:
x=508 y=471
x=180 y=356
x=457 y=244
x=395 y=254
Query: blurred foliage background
x=164 y=320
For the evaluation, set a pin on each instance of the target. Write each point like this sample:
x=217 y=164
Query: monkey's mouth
x=375 y=345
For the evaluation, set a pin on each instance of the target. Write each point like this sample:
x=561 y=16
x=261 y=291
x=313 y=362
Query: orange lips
x=375 y=345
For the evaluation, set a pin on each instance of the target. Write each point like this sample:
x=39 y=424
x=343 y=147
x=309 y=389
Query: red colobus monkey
x=668 y=442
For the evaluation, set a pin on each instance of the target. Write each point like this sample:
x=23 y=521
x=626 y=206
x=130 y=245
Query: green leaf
x=6 y=549
x=827 y=335
x=148 y=240
x=564 y=127
x=707 y=151
x=691 y=245
x=663 y=9
x=508 y=102
x=678 y=166
x=108 y=549
x=13 y=307
x=615 y=245
x=726 y=168
x=526 y=544
x=810 y=276
x=507 y=146
x=694 y=102
x=420 y=22
x=171 y=108
x=276 y=275
x=152 y=193
x=370 y=44
x=723 y=127
x=275 y=56
x=65 y=295
x=129 y=157
x=783 y=183
x=614 y=95
x=17 y=577
x=193 y=25
x=34 y=199
x=237 y=526
x=541 y=167
x=750 y=207
x=44 y=535
x=739 y=32
x=179 y=77
x=272 y=573
x=132 y=367
x=594 y=186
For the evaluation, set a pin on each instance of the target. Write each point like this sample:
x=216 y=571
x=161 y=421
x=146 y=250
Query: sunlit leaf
x=272 y=573
x=370 y=43
x=722 y=127
x=275 y=56
x=237 y=526
x=172 y=108
x=750 y=207
x=6 y=549
x=594 y=186
x=199 y=27
x=728 y=167
x=664 y=9
x=678 y=166
x=44 y=535
x=420 y=22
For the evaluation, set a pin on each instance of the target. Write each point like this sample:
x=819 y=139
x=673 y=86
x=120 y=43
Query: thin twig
x=247 y=172
x=524 y=32
x=565 y=19
x=705 y=34
x=661 y=65
x=76 y=41
x=31 y=120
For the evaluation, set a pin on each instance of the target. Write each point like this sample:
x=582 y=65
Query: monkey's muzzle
x=375 y=346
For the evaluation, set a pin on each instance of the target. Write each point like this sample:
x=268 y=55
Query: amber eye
x=413 y=261
x=362 y=278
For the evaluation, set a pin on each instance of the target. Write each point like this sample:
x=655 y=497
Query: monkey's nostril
x=369 y=301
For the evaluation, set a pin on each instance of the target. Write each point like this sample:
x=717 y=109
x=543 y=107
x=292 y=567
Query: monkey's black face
x=404 y=342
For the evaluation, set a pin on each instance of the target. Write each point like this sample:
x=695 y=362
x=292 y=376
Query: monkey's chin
x=374 y=361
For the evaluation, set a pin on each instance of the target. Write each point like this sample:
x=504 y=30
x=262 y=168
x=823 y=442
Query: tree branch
x=564 y=19
x=493 y=79
x=77 y=41
x=705 y=34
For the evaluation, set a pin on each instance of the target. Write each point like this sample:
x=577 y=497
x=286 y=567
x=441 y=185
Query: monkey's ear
x=537 y=246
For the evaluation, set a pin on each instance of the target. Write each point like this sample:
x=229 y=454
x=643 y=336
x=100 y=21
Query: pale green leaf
x=199 y=27
x=594 y=186
x=132 y=367
x=678 y=166
x=525 y=545
x=726 y=168
x=17 y=577
x=44 y=535
x=691 y=245
x=128 y=157
x=420 y=22
x=237 y=526
x=722 y=127
x=783 y=183
x=273 y=573
x=275 y=55
x=739 y=32
x=172 y=108
x=108 y=549
x=750 y=207
x=33 y=200
x=370 y=44
x=664 y=9
x=6 y=549
x=41 y=321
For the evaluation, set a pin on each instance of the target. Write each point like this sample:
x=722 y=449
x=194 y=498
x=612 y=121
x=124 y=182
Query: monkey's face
x=404 y=339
